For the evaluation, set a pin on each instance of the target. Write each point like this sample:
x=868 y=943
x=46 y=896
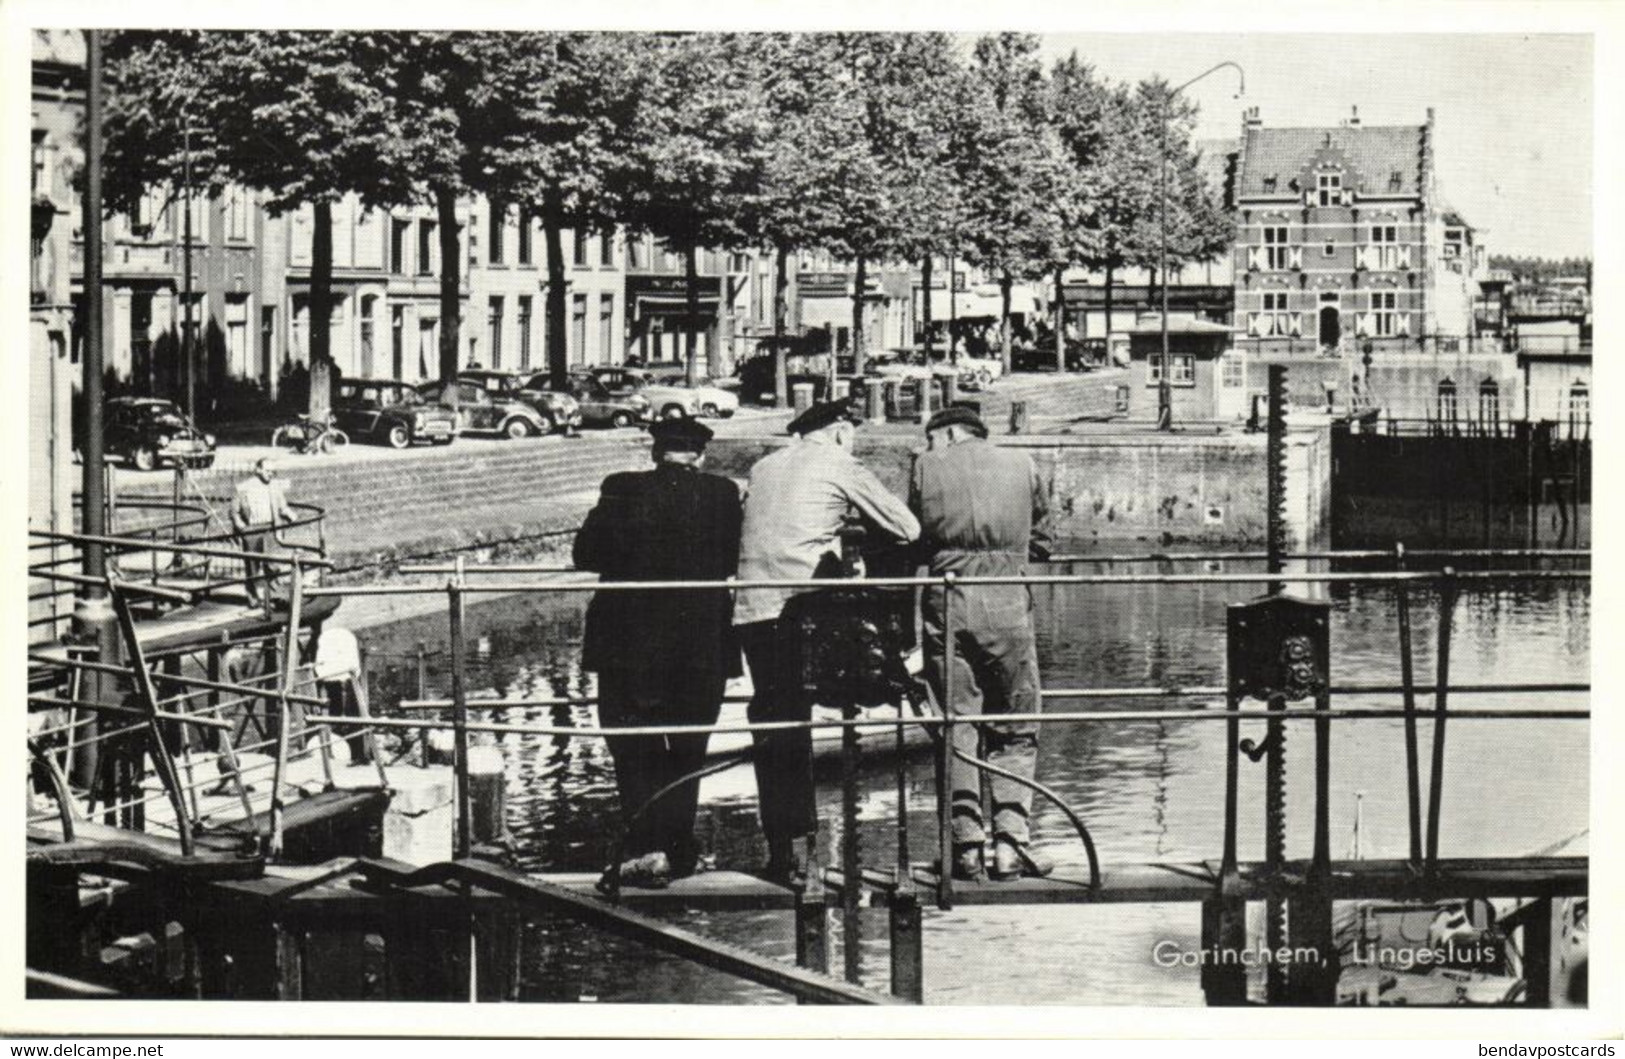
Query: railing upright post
x=459 y=698
x=290 y=667
x=1413 y=768
x=1441 y=704
x=945 y=756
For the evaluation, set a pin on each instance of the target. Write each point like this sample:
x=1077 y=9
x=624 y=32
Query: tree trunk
x=860 y=280
x=691 y=340
x=1060 y=321
x=1004 y=308
x=558 y=353
x=1107 y=330
x=781 y=283
x=321 y=310
x=925 y=310
x=953 y=311
x=445 y=202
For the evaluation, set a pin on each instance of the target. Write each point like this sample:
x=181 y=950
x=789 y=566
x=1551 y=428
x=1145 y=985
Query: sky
x=1512 y=113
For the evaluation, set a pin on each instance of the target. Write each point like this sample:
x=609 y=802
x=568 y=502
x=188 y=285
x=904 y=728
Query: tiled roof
x=1216 y=162
x=1373 y=153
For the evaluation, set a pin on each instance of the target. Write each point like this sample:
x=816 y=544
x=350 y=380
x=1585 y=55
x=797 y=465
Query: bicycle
x=308 y=435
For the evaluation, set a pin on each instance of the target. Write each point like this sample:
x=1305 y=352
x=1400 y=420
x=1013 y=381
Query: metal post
x=851 y=867
x=1224 y=918
x=1275 y=472
x=290 y=665
x=454 y=595
x=1441 y=704
x=1413 y=768
x=945 y=755
x=1165 y=392
x=907 y=942
x=422 y=684
x=190 y=365
x=1277 y=975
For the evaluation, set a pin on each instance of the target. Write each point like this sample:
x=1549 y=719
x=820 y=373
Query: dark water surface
x=1148 y=790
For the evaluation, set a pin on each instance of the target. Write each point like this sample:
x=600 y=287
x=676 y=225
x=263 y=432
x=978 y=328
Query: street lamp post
x=189 y=365
x=1165 y=392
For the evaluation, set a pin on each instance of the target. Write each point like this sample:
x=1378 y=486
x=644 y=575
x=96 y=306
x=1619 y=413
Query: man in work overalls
x=983 y=512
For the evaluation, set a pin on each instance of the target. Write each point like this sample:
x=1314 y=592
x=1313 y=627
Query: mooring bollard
x=487 y=795
x=1018 y=417
x=874 y=400
x=801 y=396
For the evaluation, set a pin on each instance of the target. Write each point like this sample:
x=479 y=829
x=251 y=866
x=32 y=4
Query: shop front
x=659 y=321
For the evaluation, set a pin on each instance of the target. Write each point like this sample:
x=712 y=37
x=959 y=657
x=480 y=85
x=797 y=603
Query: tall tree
x=698 y=157
x=812 y=147
x=1014 y=175
x=1078 y=111
x=558 y=112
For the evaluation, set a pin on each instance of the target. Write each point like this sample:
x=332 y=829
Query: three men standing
x=983 y=512
x=796 y=502
x=662 y=657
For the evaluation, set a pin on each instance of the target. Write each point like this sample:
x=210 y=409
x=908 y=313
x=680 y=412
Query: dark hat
x=689 y=435
x=822 y=415
x=958 y=416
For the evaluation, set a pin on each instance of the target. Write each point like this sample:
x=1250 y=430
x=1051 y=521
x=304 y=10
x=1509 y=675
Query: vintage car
x=482 y=411
x=600 y=408
x=390 y=412
x=668 y=399
x=559 y=410
x=150 y=432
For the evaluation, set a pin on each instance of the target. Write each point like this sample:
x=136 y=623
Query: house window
x=1275 y=319
x=236 y=214
x=525 y=222
x=496 y=224
x=1396 y=180
x=428 y=252
x=1234 y=372
x=494 y=328
x=580 y=249
x=606 y=249
x=1489 y=401
x=237 y=335
x=397 y=341
x=1383 y=306
x=398 y=235
x=1276 y=257
x=637 y=252
x=524 y=329
x=1269 y=184
x=1385 y=251
x=1328 y=249
x=1329 y=188
x=578 y=328
x=1447 y=401
x=368 y=305
x=1579 y=404
x=606 y=328
x=1182 y=369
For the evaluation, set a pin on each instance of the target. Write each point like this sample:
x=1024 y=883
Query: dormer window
x=1329 y=188
x=1269 y=184
x=1395 y=180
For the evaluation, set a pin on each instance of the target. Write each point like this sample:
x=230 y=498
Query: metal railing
x=465 y=581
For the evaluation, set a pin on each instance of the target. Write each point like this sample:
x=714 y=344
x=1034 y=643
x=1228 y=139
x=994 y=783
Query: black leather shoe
x=968 y=866
x=1012 y=860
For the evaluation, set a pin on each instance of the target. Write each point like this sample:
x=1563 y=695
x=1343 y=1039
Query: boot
x=968 y=866
x=1012 y=860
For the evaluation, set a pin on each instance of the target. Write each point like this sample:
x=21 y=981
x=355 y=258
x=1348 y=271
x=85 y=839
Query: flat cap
x=680 y=433
x=822 y=415
x=958 y=416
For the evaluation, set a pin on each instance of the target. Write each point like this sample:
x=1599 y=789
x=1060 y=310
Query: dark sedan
x=150 y=432
x=600 y=408
x=391 y=412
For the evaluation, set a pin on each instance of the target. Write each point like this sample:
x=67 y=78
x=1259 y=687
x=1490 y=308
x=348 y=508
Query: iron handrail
x=1389 y=577
x=193 y=549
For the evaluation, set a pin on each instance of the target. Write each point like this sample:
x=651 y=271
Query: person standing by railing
x=258 y=508
x=662 y=656
x=795 y=505
x=983 y=512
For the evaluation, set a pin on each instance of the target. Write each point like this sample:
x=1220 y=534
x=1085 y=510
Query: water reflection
x=1149 y=790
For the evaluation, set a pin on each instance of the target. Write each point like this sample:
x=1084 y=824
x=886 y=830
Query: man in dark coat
x=662 y=656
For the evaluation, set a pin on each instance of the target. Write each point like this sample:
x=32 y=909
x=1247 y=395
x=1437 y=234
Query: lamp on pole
x=1165 y=393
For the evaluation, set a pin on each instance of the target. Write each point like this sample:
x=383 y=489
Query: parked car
x=669 y=399
x=482 y=411
x=150 y=432
x=600 y=408
x=558 y=410
x=390 y=412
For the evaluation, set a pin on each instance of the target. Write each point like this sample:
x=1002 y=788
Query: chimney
x=1354 y=118
x=1253 y=120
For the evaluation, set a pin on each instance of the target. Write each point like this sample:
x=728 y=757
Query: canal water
x=1148 y=790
